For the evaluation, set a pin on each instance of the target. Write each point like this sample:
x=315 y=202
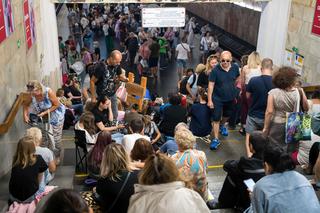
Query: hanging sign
x=29 y=22
x=6 y=19
x=316 y=19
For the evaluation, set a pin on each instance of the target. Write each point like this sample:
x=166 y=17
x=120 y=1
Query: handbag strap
x=297 y=106
x=120 y=192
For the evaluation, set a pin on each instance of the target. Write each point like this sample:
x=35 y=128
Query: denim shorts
x=182 y=63
x=254 y=124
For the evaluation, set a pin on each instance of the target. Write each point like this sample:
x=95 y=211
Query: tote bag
x=122 y=92
x=298 y=125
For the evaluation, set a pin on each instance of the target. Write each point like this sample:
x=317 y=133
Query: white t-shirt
x=183 y=50
x=128 y=141
x=45 y=153
x=194 y=88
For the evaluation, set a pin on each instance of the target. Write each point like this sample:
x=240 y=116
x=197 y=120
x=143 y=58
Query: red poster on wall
x=2 y=24
x=6 y=19
x=316 y=19
x=27 y=23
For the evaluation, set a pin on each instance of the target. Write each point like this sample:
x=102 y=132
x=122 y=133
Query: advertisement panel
x=316 y=19
x=29 y=22
x=6 y=19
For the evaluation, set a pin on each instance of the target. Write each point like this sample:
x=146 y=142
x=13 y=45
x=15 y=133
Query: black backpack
x=183 y=84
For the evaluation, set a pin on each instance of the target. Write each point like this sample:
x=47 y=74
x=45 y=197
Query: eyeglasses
x=225 y=61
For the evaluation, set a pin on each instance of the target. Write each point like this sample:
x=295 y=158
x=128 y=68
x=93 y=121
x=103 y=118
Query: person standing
x=45 y=104
x=257 y=90
x=154 y=48
x=222 y=93
x=106 y=78
x=132 y=45
x=182 y=55
x=191 y=27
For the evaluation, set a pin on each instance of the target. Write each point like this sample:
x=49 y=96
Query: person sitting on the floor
x=170 y=147
x=86 y=124
x=161 y=189
x=63 y=201
x=191 y=163
x=282 y=189
x=308 y=151
x=45 y=153
x=132 y=114
x=151 y=130
x=103 y=115
x=234 y=193
x=137 y=131
x=95 y=155
x=142 y=149
x=200 y=113
x=172 y=115
x=26 y=173
x=115 y=186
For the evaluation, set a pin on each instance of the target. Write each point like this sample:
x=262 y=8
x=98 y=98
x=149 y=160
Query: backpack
x=183 y=84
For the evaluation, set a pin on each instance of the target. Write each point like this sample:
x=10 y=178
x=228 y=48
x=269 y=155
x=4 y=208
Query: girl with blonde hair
x=115 y=186
x=45 y=153
x=160 y=184
x=203 y=79
x=27 y=172
x=252 y=69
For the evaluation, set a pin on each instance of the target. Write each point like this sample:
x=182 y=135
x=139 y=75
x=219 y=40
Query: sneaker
x=224 y=131
x=213 y=204
x=214 y=144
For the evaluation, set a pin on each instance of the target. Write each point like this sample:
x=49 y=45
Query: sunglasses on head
x=30 y=87
x=225 y=61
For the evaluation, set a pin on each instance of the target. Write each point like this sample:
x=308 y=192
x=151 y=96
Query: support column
x=49 y=48
x=273 y=30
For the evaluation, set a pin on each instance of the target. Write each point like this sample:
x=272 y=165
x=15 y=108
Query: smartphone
x=250 y=184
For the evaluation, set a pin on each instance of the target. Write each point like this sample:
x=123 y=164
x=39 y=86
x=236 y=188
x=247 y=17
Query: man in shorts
x=257 y=91
x=182 y=55
x=222 y=93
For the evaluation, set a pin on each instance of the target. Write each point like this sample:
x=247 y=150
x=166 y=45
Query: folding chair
x=81 y=144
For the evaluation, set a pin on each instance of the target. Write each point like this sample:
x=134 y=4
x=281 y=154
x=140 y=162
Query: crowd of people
x=148 y=159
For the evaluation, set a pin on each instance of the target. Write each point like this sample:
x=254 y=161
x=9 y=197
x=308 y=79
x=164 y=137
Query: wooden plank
x=21 y=99
x=135 y=89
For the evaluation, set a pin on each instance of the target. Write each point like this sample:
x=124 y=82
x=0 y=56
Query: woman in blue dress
x=45 y=104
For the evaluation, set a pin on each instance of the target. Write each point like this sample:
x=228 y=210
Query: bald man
x=105 y=79
x=222 y=93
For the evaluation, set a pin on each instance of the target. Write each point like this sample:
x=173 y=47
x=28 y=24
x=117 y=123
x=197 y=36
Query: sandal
x=242 y=131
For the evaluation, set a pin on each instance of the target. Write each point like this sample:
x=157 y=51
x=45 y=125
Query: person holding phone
x=282 y=189
x=234 y=192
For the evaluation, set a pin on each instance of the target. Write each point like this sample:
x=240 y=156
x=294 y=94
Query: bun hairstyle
x=277 y=158
x=203 y=94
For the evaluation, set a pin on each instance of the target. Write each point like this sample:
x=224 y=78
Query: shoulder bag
x=298 y=124
x=120 y=192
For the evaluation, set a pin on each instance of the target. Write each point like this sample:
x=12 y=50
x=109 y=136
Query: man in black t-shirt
x=222 y=93
x=106 y=79
x=257 y=90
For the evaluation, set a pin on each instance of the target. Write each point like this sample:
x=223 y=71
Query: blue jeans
x=114 y=106
x=78 y=108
